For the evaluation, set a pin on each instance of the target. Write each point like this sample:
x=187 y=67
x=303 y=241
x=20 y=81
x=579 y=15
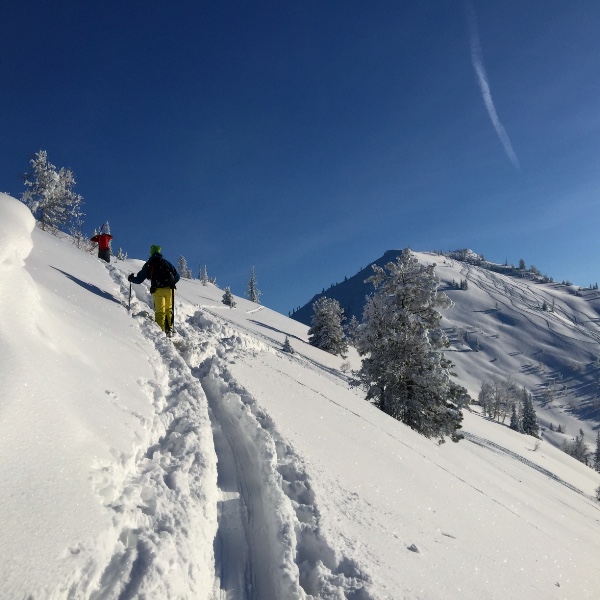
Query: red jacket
x=102 y=239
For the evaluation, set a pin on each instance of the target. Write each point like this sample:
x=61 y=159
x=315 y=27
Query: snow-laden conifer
x=203 y=275
x=326 y=331
x=228 y=298
x=183 y=268
x=287 y=347
x=50 y=195
x=577 y=448
x=253 y=293
x=404 y=371
x=351 y=329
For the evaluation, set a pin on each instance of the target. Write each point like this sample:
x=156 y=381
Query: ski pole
x=173 y=310
x=129 y=306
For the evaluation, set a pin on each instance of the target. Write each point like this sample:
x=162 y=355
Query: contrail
x=484 y=86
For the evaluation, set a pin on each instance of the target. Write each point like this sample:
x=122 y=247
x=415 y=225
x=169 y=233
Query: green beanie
x=154 y=249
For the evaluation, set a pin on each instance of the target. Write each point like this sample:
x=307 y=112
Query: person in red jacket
x=103 y=241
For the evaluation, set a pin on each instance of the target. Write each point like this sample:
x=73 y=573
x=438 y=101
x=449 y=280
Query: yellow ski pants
x=163 y=308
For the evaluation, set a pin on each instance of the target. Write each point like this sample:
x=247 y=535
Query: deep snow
x=217 y=466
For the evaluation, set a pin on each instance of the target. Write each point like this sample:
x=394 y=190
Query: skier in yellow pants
x=163 y=276
x=163 y=308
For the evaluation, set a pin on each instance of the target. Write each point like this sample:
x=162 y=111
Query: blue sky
x=307 y=138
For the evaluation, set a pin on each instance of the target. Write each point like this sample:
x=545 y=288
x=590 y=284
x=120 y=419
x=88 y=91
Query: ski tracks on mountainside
x=528 y=300
x=213 y=503
x=484 y=443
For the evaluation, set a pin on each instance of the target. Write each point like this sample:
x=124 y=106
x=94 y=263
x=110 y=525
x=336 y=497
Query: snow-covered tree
x=597 y=453
x=287 y=347
x=404 y=371
x=121 y=255
x=203 y=275
x=50 y=195
x=252 y=292
x=326 y=331
x=351 y=329
x=183 y=268
x=228 y=298
x=80 y=240
x=497 y=397
x=577 y=448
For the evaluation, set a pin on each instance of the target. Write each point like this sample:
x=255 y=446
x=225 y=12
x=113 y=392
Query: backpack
x=162 y=273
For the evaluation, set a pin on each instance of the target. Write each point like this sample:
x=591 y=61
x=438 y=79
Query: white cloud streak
x=484 y=86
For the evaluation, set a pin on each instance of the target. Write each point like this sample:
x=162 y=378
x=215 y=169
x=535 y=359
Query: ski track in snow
x=214 y=504
x=475 y=439
x=269 y=519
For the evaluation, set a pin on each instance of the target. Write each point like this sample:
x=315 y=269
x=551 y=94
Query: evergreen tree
x=203 y=275
x=577 y=448
x=326 y=331
x=529 y=424
x=287 y=347
x=597 y=453
x=253 y=293
x=81 y=240
x=49 y=194
x=514 y=418
x=404 y=371
x=183 y=268
x=121 y=255
x=351 y=329
x=228 y=298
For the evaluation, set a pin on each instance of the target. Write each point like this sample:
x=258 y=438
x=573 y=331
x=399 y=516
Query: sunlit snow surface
x=216 y=466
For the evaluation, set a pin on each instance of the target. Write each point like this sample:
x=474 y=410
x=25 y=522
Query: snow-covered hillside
x=216 y=466
x=545 y=336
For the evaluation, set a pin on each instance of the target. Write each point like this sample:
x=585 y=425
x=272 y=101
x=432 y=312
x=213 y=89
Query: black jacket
x=159 y=271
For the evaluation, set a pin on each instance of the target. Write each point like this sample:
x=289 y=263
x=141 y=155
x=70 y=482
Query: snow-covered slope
x=545 y=336
x=216 y=466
